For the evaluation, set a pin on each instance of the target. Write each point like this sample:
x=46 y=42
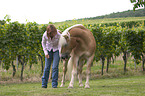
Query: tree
x=2 y=22
x=137 y=3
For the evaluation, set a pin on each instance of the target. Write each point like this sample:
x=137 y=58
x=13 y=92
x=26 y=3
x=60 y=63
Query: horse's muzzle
x=65 y=56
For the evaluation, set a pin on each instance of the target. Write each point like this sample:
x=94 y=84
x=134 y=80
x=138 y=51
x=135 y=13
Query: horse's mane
x=62 y=40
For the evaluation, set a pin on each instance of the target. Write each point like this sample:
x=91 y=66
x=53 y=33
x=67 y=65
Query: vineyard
x=20 y=44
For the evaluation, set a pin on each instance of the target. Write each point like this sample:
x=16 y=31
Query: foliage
x=24 y=41
x=135 y=39
x=2 y=22
x=137 y=3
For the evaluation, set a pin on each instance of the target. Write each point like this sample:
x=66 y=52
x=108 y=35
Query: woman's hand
x=47 y=56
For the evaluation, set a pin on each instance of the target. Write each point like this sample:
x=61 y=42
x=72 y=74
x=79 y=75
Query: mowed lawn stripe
x=127 y=86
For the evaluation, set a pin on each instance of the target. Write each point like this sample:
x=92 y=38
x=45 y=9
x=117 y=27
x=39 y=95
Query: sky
x=45 y=11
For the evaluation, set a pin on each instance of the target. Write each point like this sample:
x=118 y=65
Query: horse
x=77 y=46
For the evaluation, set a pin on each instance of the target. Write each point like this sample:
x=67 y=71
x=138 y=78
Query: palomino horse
x=77 y=46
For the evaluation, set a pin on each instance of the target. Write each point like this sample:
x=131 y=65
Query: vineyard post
x=22 y=68
x=103 y=61
x=108 y=62
x=14 y=69
x=41 y=64
x=125 y=60
x=143 y=61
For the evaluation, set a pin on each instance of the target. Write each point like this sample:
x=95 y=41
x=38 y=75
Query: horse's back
x=86 y=36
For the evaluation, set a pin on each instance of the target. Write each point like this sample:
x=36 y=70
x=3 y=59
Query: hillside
x=124 y=16
x=129 y=13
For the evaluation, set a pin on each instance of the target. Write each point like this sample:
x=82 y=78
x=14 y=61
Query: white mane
x=62 y=40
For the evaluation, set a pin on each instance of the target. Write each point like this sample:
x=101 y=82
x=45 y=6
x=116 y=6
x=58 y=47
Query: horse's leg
x=81 y=62
x=64 y=73
x=73 y=61
x=88 y=70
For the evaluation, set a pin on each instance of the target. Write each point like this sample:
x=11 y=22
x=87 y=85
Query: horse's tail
x=70 y=67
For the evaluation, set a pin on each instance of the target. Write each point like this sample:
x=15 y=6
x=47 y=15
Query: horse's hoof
x=81 y=85
x=70 y=86
x=87 y=86
x=62 y=85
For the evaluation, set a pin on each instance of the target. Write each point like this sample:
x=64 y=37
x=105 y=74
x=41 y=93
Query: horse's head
x=65 y=45
x=67 y=42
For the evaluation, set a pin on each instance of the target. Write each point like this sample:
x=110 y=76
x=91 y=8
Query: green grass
x=33 y=75
x=113 y=83
x=127 y=86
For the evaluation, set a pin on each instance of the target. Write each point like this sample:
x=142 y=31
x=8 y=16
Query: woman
x=50 y=46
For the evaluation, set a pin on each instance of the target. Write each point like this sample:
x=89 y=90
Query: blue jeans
x=53 y=56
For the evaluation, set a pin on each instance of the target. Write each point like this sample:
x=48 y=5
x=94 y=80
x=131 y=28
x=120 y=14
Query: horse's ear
x=66 y=37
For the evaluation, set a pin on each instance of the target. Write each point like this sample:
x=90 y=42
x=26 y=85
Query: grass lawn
x=126 y=86
x=113 y=83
